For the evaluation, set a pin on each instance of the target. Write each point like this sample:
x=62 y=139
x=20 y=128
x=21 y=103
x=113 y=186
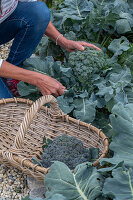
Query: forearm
x=8 y=70
x=45 y=84
x=53 y=33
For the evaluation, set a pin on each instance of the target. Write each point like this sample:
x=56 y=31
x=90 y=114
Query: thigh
x=26 y=25
x=9 y=28
x=4 y=91
x=26 y=14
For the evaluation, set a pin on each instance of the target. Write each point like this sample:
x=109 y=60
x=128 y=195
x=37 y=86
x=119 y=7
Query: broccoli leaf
x=42 y=66
x=84 y=184
x=85 y=109
x=72 y=9
x=130 y=2
x=54 y=197
x=30 y=198
x=26 y=89
x=117 y=46
x=120 y=185
x=122 y=126
x=65 y=105
x=127 y=58
x=122 y=26
x=122 y=123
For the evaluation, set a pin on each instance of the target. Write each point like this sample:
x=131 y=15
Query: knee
x=40 y=14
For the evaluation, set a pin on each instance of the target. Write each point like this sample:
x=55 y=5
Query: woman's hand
x=45 y=84
x=71 y=45
x=48 y=85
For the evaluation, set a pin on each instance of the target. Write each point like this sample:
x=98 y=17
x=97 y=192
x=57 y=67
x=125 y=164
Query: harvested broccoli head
x=87 y=63
x=67 y=149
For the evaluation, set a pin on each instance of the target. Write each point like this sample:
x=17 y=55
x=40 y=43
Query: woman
x=26 y=21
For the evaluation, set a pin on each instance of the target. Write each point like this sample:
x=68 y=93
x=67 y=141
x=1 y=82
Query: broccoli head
x=67 y=149
x=87 y=63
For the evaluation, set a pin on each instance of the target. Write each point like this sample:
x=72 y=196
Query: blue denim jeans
x=26 y=25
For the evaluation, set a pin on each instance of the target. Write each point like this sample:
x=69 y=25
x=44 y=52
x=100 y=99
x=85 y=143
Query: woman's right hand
x=48 y=85
x=45 y=84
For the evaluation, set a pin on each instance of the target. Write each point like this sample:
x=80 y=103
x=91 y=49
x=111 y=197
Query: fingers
x=60 y=85
x=57 y=91
x=80 y=46
x=90 y=45
x=70 y=50
x=61 y=91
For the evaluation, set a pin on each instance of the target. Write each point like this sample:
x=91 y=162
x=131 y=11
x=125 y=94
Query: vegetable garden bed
x=106 y=100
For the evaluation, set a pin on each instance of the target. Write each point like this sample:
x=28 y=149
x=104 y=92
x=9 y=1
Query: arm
x=69 y=45
x=45 y=84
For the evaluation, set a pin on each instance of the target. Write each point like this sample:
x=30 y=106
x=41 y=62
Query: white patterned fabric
x=1 y=61
x=7 y=7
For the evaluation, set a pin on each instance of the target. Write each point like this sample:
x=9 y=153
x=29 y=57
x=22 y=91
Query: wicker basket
x=23 y=125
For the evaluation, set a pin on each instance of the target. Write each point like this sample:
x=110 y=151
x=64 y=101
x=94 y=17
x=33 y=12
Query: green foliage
x=99 y=91
x=127 y=58
x=49 y=3
x=93 y=19
x=130 y=2
x=29 y=198
x=67 y=149
x=121 y=145
x=56 y=197
x=84 y=184
x=122 y=122
x=118 y=46
x=111 y=89
x=73 y=10
x=53 y=197
x=47 y=48
x=120 y=184
x=84 y=109
x=46 y=142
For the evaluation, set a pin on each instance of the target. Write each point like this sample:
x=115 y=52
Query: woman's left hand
x=71 y=45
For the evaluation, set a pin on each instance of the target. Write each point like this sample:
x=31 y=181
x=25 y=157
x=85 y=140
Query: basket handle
x=29 y=116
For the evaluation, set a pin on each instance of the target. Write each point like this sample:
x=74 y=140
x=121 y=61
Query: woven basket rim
x=25 y=163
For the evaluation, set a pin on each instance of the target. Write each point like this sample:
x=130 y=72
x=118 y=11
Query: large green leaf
x=120 y=79
x=54 y=197
x=75 y=10
x=117 y=46
x=121 y=185
x=102 y=16
x=26 y=89
x=85 y=109
x=112 y=87
x=120 y=6
x=127 y=58
x=65 y=104
x=122 y=141
x=47 y=48
x=130 y=2
x=129 y=92
x=84 y=184
x=30 y=198
x=42 y=66
x=127 y=16
x=122 y=26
